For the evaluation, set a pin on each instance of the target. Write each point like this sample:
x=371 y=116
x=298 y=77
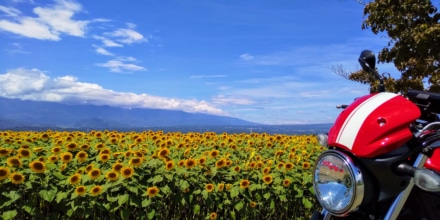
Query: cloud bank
x=34 y=84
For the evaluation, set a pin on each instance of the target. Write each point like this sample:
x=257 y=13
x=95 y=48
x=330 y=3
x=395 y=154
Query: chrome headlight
x=338 y=183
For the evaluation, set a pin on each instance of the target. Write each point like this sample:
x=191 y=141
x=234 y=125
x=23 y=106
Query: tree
x=413 y=31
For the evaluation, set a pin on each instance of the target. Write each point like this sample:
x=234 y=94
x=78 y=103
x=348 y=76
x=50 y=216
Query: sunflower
x=127 y=172
x=286 y=182
x=4 y=173
x=152 y=191
x=202 y=160
x=24 y=152
x=105 y=151
x=237 y=168
x=213 y=215
x=14 y=162
x=244 y=184
x=75 y=179
x=81 y=156
x=252 y=204
x=4 y=152
x=136 y=161
x=99 y=146
x=289 y=165
x=66 y=157
x=37 y=166
x=138 y=153
x=80 y=190
x=16 y=178
x=169 y=165
x=214 y=153
x=56 y=150
x=181 y=163
x=63 y=167
x=94 y=173
x=266 y=170
x=163 y=152
x=117 y=166
x=104 y=157
x=112 y=175
x=190 y=163
x=96 y=190
x=306 y=165
x=71 y=146
x=220 y=163
x=89 y=168
x=280 y=165
x=228 y=186
x=220 y=187
x=209 y=187
x=253 y=164
x=267 y=179
x=84 y=147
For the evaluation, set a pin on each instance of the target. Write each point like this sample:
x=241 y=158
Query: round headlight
x=338 y=183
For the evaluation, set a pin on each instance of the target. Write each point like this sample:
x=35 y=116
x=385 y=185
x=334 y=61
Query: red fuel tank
x=374 y=124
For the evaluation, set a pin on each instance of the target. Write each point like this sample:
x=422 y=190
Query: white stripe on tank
x=349 y=130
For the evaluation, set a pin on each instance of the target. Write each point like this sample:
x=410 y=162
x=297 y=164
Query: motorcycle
x=382 y=159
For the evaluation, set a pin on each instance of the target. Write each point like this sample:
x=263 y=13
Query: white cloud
x=50 y=23
x=103 y=51
x=107 y=42
x=246 y=57
x=126 y=36
x=122 y=64
x=10 y=11
x=35 y=85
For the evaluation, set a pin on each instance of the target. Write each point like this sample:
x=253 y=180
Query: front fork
x=397 y=205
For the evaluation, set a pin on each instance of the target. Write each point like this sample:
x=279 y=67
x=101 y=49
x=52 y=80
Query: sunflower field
x=156 y=175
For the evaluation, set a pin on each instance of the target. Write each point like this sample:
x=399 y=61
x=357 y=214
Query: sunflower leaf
x=157 y=179
x=151 y=214
x=61 y=196
x=196 y=209
x=234 y=192
x=239 y=206
x=122 y=199
x=47 y=195
x=9 y=214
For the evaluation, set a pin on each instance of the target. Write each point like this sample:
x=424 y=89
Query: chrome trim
x=356 y=186
x=396 y=207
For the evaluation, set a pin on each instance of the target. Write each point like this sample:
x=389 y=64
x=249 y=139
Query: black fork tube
x=400 y=200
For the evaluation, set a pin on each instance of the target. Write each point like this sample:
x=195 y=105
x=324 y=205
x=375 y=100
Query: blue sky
x=262 y=61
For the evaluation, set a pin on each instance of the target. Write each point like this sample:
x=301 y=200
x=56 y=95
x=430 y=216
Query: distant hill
x=15 y=113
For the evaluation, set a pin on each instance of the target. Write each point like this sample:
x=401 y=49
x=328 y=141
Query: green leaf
x=151 y=214
x=205 y=194
x=145 y=203
x=132 y=188
x=306 y=202
x=47 y=195
x=59 y=175
x=9 y=214
x=239 y=206
x=111 y=199
x=183 y=184
x=234 y=192
x=165 y=190
x=60 y=196
x=122 y=199
x=196 y=209
x=157 y=179
x=29 y=209
x=266 y=195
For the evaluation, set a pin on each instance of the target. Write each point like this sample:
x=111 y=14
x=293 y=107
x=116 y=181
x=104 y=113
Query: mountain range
x=16 y=114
